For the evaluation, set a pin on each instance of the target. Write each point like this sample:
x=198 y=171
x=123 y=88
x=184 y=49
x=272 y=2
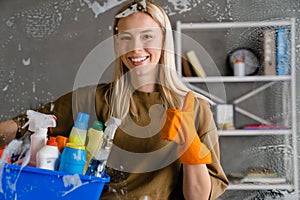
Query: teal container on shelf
x=34 y=183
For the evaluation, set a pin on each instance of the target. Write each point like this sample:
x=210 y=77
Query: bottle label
x=72 y=160
x=77 y=136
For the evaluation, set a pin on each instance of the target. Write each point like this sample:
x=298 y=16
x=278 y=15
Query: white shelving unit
x=254 y=132
x=212 y=79
x=266 y=81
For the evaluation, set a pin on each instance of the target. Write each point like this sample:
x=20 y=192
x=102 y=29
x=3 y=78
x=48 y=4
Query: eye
x=124 y=37
x=147 y=37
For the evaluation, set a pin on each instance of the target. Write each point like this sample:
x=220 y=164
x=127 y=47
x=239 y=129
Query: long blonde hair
x=170 y=86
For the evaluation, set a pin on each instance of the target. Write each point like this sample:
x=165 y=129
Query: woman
x=146 y=94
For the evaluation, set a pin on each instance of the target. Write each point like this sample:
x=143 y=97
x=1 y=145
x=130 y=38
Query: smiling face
x=139 y=40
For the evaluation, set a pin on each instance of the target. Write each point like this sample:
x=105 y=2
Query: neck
x=144 y=81
x=148 y=88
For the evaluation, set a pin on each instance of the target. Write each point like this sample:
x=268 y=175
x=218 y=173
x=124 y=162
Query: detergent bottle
x=48 y=156
x=73 y=159
x=94 y=136
x=79 y=130
x=98 y=162
x=38 y=124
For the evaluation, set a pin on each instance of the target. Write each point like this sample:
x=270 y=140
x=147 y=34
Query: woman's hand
x=179 y=127
x=8 y=130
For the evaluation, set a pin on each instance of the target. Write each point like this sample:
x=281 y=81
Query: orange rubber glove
x=179 y=127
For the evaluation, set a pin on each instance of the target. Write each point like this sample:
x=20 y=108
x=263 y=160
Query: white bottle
x=38 y=141
x=48 y=156
x=239 y=68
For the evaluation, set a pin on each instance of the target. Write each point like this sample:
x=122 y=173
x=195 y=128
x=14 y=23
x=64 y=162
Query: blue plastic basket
x=34 y=183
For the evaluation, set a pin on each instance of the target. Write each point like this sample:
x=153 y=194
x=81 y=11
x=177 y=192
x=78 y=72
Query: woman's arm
x=196 y=182
x=8 y=130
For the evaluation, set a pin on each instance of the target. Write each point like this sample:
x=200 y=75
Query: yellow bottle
x=79 y=130
x=94 y=134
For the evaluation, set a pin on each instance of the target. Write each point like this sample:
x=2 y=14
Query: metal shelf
x=254 y=132
x=260 y=187
x=267 y=81
x=193 y=25
x=220 y=79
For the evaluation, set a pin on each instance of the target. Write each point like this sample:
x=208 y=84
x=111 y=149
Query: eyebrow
x=149 y=30
x=144 y=31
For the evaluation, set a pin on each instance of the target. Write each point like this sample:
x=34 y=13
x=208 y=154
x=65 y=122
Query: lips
x=138 y=60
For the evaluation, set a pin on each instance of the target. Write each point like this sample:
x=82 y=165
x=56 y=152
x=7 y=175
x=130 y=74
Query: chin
x=144 y=69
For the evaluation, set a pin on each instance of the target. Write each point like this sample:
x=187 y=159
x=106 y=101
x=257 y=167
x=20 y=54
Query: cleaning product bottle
x=38 y=124
x=97 y=164
x=48 y=156
x=73 y=159
x=38 y=141
x=94 y=136
x=79 y=130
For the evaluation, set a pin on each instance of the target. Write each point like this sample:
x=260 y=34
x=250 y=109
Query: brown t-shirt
x=141 y=165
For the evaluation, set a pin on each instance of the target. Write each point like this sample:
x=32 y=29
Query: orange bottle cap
x=52 y=141
x=61 y=142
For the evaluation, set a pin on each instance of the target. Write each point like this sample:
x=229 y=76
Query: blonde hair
x=171 y=88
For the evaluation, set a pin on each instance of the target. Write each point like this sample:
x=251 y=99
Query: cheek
x=155 y=54
x=155 y=49
x=154 y=44
x=121 y=49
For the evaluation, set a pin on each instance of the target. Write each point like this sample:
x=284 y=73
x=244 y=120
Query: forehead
x=138 y=20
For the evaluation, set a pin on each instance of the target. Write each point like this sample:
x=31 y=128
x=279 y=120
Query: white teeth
x=138 y=59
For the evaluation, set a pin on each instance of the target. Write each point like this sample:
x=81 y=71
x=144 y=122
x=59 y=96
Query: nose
x=136 y=45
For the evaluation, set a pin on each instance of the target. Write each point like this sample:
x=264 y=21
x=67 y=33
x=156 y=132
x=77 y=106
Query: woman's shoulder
x=92 y=89
x=202 y=101
x=92 y=99
x=85 y=94
x=202 y=105
x=104 y=86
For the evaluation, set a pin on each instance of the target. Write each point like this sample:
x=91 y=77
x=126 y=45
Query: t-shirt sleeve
x=209 y=136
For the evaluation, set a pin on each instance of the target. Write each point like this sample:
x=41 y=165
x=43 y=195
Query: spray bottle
x=97 y=164
x=38 y=124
